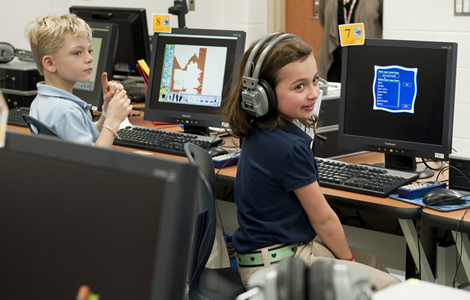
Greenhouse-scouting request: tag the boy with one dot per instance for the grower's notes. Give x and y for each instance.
(61, 48)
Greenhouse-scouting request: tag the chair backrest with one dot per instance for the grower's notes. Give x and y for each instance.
(39, 126)
(207, 217)
(203, 161)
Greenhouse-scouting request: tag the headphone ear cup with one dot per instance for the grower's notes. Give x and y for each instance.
(270, 97)
(320, 281)
(291, 277)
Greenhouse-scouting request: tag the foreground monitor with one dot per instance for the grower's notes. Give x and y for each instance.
(191, 74)
(104, 45)
(397, 98)
(73, 215)
(133, 42)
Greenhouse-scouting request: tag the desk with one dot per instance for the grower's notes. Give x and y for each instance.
(405, 213)
(458, 222)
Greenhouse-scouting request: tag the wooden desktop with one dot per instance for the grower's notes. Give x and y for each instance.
(406, 213)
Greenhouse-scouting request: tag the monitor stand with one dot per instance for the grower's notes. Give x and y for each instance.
(406, 164)
(201, 130)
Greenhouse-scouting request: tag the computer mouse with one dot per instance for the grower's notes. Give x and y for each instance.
(442, 196)
(216, 151)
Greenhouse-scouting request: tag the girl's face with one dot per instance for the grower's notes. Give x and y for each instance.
(297, 89)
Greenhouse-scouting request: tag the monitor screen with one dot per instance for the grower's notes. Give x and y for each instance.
(116, 221)
(191, 73)
(104, 43)
(133, 42)
(397, 98)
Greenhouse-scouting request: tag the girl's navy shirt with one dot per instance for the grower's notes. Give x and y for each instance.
(271, 166)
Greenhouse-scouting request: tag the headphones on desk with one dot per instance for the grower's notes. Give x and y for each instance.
(8, 52)
(325, 279)
(258, 97)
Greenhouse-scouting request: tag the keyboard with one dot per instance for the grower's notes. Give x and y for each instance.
(14, 116)
(162, 141)
(362, 179)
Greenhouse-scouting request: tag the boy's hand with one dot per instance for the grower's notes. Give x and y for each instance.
(110, 88)
(119, 108)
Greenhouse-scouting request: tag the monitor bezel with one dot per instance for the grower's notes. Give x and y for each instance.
(98, 14)
(105, 64)
(397, 147)
(178, 209)
(188, 114)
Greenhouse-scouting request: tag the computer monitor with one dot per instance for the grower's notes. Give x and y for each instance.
(104, 45)
(397, 98)
(75, 215)
(133, 42)
(191, 74)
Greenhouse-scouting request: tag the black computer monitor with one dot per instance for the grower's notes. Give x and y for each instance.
(73, 215)
(191, 73)
(397, 98)
(104, 45)
(133, 43)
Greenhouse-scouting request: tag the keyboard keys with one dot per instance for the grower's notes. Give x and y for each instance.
(360, 178)
(162, 141)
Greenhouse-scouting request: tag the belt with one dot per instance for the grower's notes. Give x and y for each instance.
(255, 259)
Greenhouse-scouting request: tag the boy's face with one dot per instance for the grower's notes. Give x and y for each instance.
(297, 89)
(73, 62)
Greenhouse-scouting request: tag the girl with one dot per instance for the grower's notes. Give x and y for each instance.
(280, 205)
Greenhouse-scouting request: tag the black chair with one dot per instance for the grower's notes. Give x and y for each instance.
(205, 283)
(40, 127)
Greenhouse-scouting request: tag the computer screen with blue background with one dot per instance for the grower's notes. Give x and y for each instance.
(397, 98)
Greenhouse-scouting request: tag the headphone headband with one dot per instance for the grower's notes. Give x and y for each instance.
(252, 81)
(258, 98)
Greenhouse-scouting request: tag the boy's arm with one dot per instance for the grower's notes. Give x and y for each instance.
(110, 88)
(118, 109)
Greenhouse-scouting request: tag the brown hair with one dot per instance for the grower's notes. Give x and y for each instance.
(287, 51)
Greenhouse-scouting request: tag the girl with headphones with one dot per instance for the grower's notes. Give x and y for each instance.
(280, 205)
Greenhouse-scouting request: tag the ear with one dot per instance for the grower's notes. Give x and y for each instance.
(48, 63)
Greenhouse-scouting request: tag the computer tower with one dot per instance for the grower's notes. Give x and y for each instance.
(461, 162)
(18, 82)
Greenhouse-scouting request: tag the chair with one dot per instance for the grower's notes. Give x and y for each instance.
(40, 127)
(205, 283)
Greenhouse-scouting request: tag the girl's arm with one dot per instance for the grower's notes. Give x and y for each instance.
(324, 220)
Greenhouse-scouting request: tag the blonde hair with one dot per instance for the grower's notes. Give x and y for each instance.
(47, 35)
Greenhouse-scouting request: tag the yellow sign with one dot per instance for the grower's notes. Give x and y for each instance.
(351, 34)
(161, 23)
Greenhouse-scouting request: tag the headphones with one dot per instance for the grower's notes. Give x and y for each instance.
(258, 97)
(325, 279)
(8, 52)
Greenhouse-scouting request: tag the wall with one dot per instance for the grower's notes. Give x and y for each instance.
(246, 15)
(434, 20)
(403, 19)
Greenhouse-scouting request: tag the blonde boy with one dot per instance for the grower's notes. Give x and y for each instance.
(61, 48)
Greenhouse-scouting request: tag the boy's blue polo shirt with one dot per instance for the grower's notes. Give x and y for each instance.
(65, 113)
(272, 165)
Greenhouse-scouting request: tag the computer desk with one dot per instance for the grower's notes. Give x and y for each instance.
(458, 222)
(405, 213)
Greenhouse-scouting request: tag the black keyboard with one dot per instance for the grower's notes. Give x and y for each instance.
(361, 178)
(14, 116)
(162, 141)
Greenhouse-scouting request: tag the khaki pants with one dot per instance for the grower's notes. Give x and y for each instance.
(314, 250)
